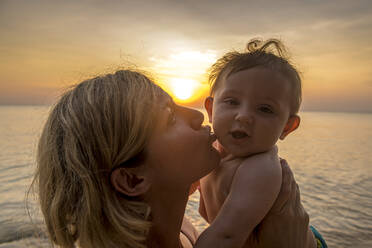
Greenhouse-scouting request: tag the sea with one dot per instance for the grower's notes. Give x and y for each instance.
(330, 155)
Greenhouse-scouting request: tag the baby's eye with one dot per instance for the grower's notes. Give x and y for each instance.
(266, 109)
(231, 101)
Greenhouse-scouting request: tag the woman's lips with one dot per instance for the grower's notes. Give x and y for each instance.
(212, 136)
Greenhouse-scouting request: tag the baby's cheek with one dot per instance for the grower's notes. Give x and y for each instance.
(268, 137)
(219, 124)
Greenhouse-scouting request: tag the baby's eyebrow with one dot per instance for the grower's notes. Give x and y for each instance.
(272, 101)
(231, 92)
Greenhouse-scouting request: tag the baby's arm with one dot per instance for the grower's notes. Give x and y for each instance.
(254, 189)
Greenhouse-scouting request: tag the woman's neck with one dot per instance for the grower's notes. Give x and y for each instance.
(167, 210)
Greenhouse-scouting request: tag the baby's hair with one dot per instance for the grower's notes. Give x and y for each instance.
(270, 54)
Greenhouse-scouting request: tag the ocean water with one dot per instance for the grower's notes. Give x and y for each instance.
(330, 155)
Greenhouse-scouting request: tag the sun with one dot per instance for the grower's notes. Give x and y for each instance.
(182, 73)
(183, 88)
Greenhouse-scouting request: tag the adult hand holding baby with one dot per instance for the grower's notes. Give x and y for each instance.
(287, 223)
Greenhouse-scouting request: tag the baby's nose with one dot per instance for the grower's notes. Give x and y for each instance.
(244, 118)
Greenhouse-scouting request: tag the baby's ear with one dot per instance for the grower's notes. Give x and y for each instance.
(208, 104)
(292, 124)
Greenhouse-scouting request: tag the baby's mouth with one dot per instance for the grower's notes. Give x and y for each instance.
(239, 134)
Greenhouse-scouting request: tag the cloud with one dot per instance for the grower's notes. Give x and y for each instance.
(206, 24)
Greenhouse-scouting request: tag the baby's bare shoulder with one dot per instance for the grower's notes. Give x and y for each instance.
(259, 167)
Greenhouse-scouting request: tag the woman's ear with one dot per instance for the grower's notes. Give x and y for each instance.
(129, 181)
(208, 104)
(292, 124)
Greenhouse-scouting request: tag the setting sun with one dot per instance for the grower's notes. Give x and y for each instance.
(182, 73)
(183, 88)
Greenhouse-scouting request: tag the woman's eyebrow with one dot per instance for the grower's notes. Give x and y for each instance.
(166, 101)
(172, 106)
(169, 103)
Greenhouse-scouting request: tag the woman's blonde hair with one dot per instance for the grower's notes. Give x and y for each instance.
(94, 127)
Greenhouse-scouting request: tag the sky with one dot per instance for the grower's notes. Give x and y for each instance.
(45, 46)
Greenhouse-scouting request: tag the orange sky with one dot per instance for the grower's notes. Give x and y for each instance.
(48, 45)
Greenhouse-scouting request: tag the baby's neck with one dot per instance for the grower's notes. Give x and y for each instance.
(226, 156)
(229, 156)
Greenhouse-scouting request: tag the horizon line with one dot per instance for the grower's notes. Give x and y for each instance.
(302, 110)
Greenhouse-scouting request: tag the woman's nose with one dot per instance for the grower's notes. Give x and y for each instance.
(194, 117)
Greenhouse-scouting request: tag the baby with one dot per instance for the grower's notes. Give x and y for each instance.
(255, 98)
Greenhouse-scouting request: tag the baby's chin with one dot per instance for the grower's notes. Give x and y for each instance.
(243, 151)
(247, 153)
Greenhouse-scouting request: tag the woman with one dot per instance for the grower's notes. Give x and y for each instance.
(115, 163)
